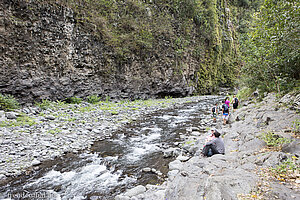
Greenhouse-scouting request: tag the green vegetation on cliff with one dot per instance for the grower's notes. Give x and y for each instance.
(196, 39)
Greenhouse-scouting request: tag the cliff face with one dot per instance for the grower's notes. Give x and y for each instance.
(129, 49)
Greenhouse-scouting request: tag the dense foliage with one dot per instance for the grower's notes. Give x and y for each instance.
(8, 102)
(272, 51)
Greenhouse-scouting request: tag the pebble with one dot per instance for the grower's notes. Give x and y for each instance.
(146, 169)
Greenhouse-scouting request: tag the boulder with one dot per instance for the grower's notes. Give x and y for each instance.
(11, 115)
(135, 191)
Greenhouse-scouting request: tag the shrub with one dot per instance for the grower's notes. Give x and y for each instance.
(22, 120)
(45, 104)
(296, 128)
(287, 170)
(245, 93)
(93, 99)
(8, 102)
(107, 99)
(73, 100)
(274, 140)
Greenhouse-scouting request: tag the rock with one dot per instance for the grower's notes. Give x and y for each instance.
(35, 154)
(135, 191)
(293, 147)
(89, 128)
(35, 162)
(159, 173)
(176, 164)
(287, 99)
(97, 131)
(2, 116)
(122, 197)
(26, 110)
(2, 177)
(171, 152)
(182, 158)
(146, 169)
(194, 129)
(50, 117)
(196, 133)
(172, 174)
(11, 115)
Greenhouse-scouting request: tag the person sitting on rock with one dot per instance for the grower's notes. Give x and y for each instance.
(214, 146)
(210, 137)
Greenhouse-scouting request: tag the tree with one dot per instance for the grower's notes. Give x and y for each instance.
(272, 56)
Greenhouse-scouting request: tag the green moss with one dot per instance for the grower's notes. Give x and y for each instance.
(54, 131)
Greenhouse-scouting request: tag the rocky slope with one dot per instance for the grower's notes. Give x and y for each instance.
(244, 171)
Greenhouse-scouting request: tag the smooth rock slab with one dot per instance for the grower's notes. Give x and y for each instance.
(122, 197)
(135, 191)
(176, 164)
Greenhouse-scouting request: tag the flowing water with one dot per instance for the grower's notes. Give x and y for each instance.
(113, 165)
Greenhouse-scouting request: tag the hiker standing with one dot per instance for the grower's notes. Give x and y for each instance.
(227, 101)
(225, 112)
(214, 111)
(235, 102)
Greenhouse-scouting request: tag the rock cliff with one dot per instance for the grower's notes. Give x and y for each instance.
(125, 49)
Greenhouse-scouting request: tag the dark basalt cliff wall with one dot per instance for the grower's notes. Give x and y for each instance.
(50, 50)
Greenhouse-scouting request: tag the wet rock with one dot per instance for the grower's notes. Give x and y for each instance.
(171, 152)
(159, 173)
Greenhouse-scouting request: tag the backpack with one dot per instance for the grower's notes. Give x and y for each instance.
(213, 109)
(225, 108)
(236, 101)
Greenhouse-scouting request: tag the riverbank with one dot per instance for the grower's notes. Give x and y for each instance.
(250, 169)
(30, 136)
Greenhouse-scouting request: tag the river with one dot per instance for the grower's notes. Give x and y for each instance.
(115, 164)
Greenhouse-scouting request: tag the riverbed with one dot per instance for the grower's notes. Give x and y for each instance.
(130, 155)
